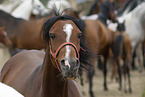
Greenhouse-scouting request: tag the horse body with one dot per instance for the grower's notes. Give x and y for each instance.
(59, 64)
(134, 22)
(23, 34)
(135, 26)
(122, 50)
(4, 38)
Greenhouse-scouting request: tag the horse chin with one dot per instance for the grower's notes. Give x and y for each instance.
(66, 76)
(70, 78)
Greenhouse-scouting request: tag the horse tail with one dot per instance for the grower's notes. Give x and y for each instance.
(118, 45)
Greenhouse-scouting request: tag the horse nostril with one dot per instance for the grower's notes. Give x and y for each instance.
(62, 61)
(65, 64)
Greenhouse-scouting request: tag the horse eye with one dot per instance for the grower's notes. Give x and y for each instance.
(80, 35)
(52, 35)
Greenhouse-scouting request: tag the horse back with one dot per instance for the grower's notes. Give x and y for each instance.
(105, 36)
(20, 67)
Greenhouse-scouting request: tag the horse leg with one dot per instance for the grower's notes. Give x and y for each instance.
(114, 70)
(129, 80)
(139, 57)
(105, 73)
(133, 58)
(90, 76)
(99, 62)
(143, 50)
(81, 76)
(124, 73)
(120, 74)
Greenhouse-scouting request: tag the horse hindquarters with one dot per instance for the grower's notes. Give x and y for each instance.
(117, 51)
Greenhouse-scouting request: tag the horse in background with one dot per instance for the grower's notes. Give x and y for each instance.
(29, 7)
(32, 9)
(99, 39)
(95, 8)
(60, 62)
(128, 6)
(4, 39)
(122, 50)
(134, 22)
(23, 34)
(5, 43)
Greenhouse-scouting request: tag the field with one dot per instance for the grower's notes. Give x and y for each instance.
(138, 85)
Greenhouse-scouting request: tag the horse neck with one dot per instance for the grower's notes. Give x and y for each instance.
(53, 84)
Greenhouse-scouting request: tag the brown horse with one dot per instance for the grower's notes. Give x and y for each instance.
(99, 39)
(59, 64)
(95, 8)
(122, 50)
(23, 34)
(4, 38)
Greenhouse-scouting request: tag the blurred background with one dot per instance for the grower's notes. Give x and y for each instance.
(35, 9)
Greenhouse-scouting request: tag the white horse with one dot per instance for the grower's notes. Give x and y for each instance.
(59, 4)
(7, 91)
(134, 22)
(135, 27)
(24, 8)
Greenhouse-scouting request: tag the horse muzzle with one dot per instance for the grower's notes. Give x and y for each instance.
(70, 68)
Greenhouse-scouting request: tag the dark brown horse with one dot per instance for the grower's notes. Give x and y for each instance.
(23, 34)
(95, 8)
(4, 38)
(49, 74)
(99, 39)
(122, 50)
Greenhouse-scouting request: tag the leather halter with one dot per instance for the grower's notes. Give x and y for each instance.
(55, 54)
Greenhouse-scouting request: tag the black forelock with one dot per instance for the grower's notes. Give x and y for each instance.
(50, 22)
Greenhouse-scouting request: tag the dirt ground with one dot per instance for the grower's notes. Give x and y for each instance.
(138, 85)
(138, 81)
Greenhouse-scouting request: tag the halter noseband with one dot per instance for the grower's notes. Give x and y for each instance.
(59, 48)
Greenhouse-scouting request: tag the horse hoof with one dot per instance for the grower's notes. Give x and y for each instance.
(91, 94)
(125, 91)
(105, 89)
(120, 89)
(83, 92)
(130, 90)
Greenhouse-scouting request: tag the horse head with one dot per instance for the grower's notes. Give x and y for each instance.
(4, 38)
(121, 26)
(64, 44)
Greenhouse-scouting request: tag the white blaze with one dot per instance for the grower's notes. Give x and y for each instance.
(67, 28)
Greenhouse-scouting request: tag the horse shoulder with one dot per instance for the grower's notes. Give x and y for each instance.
(17, 66)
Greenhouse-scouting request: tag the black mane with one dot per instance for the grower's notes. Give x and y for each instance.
(6, 19)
